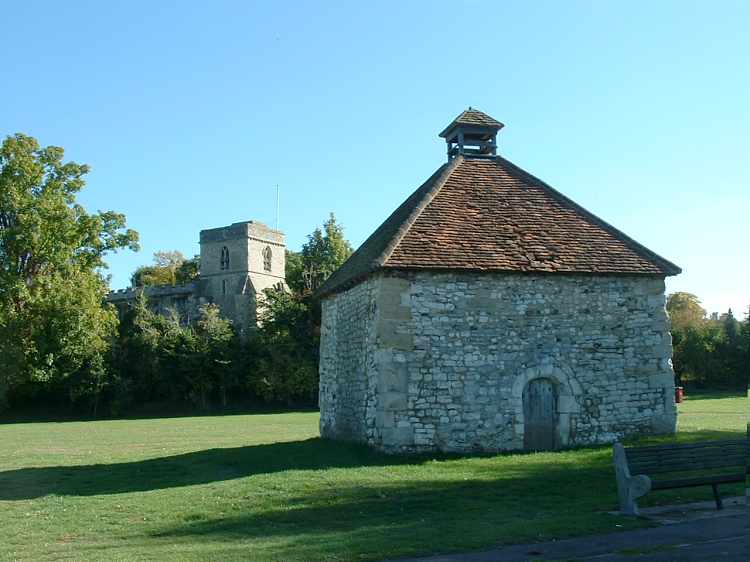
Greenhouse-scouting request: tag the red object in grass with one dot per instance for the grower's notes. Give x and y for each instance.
(679, 394)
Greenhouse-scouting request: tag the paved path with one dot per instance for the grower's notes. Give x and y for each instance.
(720, 538)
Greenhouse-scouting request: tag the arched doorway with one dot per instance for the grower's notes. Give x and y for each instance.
(541, 415)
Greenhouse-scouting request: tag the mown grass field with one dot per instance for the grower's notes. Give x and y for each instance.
(266, 488)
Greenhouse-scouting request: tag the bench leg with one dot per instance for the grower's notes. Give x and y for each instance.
(717, 497)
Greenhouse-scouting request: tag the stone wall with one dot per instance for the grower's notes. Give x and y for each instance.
(183, 300)
(347, 364)
(428, 361)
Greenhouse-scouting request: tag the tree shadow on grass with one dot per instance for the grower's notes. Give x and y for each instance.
(199, 467)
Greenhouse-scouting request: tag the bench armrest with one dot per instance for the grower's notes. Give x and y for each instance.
(629, 488)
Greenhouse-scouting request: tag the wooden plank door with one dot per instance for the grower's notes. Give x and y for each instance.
(540, 415)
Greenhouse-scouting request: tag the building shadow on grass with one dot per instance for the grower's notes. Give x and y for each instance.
(198, 467)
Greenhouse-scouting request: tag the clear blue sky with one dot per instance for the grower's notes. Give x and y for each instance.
(190, 113)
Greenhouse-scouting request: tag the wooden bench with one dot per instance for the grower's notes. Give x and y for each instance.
(709, 463)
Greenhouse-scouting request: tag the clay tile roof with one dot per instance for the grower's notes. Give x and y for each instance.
(473, 117)
(487, 214)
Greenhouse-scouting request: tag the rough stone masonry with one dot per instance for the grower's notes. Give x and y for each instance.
(488, 313)
(426, 361)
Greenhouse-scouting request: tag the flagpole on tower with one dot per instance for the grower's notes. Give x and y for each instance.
(277, 206)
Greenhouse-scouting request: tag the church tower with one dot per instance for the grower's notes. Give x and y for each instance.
(237, 263)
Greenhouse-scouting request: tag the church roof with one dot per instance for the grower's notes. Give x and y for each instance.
(480, 213)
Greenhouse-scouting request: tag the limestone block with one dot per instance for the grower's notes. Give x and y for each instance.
(398, 436)
(393, 400)
(664, 424)
(392, 375)
(388, 335)
(482, 301)
(384, 419)
(655, 286)
(389, 299)
(662, 380)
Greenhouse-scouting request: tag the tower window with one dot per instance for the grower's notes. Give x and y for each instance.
(267, 258)
(223, 286)
(224, 258)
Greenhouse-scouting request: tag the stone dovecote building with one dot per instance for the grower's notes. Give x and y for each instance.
(490, 312)
(237, 263)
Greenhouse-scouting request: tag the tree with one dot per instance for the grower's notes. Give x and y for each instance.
(294, 273)
(731, 326)
(216, 349)
(745, 347)
(169, 268)
(685, 310)
(732, 349)
(158, 360)
(53, 323)
(285, 349)
(323, 253)
(188, 270)
(139, 357)
(709, 353)
(695, 356)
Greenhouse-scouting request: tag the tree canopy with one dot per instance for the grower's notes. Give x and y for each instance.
(168, 268)
(708, 352)
(685, 310)
(287, 340)
(323, 253)
(53, 323)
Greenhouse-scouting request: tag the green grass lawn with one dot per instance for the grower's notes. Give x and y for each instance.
(265, 487)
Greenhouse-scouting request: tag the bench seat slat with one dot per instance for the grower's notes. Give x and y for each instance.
(679, 466)
(686, 446)
(729, 460)
(689, 452)
(706, 464)
(739, 452)
(697, 481)
(729, 455)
